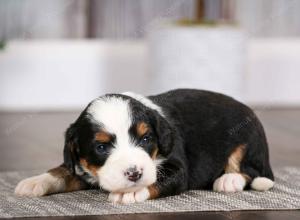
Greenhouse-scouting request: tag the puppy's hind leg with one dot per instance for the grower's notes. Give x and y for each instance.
(259, 181)
(232, 180)
(235, 182)
(257, 166)
(245, 169)
(54, 181)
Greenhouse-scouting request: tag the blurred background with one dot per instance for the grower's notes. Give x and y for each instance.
(58, 55)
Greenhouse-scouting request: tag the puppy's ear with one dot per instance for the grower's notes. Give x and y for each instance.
(165, 135)
(70, 148)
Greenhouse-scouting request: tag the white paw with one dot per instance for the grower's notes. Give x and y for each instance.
(129, 197)
(38, 185)
(142, 195)
(262, 184)
(230, 182)
(115, 197)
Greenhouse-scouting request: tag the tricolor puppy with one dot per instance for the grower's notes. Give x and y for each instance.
(140, 148)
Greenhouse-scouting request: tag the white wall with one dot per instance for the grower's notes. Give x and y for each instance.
(54, 75)
(273, 72)
(67, 74)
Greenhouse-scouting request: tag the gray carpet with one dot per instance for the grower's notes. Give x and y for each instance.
(285, 195)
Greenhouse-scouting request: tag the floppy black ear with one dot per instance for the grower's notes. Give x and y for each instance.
(165, 135)
(70, 148)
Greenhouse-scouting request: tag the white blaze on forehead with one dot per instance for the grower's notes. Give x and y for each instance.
(145, 101)
(114, 114)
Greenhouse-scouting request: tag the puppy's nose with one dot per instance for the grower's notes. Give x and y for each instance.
(133, 174)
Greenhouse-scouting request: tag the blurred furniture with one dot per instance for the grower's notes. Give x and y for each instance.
(130, 19)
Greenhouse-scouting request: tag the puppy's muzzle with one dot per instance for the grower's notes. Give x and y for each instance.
(133, 173)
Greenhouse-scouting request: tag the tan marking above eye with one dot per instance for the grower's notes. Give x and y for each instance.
(142, 128)
(92, 168)
(103, 137)
(234, 160)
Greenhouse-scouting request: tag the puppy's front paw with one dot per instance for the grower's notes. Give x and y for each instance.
(230, 182)
(130, 197)
(39, 185)
(115, 197)
(142, 195)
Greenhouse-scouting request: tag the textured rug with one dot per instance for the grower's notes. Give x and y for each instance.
(284, 196)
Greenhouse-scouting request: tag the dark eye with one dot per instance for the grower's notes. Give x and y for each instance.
(145, 140)
(101, 148)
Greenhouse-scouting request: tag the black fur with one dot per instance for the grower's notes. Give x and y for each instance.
(196, 135)
(212, 125)
(69, 148)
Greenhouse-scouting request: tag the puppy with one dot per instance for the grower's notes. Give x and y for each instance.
(140, 148)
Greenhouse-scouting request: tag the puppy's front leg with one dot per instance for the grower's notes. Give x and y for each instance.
(171, 180)
(56, 180)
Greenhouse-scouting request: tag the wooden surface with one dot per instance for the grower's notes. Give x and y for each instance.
(35, 141)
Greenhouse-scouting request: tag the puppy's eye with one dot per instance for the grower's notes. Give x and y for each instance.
(101, 148)
(145, 140)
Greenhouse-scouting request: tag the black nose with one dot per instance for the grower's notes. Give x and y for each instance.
(133, 174)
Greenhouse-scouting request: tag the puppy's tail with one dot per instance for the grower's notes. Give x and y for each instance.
(262, 184)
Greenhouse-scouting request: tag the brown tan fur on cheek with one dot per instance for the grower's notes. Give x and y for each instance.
(102, 137)
(93, 169)
(153, 191)
(234, 161)
(154, 153)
